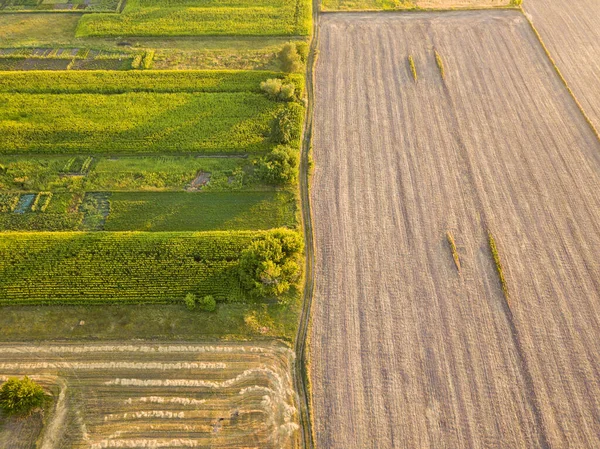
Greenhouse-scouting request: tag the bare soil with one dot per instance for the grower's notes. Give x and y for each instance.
(408, 352)
(571, 32)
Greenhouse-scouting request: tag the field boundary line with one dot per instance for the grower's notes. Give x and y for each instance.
(559, 73)
(301, 366)
(417, 9)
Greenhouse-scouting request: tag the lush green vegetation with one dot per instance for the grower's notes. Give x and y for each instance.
(201, 211)
(198, 17)
(136, 123)
(111, 82)
(139, 173)
(271, 266)
(21, 396)
(136, 267)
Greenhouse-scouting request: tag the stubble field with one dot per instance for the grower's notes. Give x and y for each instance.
(157, 395)
(410, 348)
(571, 31)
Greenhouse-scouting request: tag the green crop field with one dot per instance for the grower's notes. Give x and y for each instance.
(201, 211)
(114, 82)
(135, 123)
(198, 17)
(132, 267)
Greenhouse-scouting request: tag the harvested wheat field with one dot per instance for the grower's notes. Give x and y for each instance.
(411, 4)
(160, 395)
(571, 32)
(433, 130)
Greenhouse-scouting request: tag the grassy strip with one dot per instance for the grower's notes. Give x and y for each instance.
(440, 64)
(499, 269)
(413, 67)
(452, 243)
(181, 211)
(136, 123)
(201, 18)
(560, 75)
(112, 82)
(120, 267)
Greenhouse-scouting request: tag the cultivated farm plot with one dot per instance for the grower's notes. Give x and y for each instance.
(160, 395)
(409, 348)
(571, 32)
(202, 18)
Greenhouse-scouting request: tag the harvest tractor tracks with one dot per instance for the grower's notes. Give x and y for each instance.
(405, 353)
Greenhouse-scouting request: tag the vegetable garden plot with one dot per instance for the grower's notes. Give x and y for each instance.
(135, 123)
(163, 395)
(408, 349)
(196, 17)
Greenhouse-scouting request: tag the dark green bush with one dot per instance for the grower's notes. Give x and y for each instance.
(207, 303)
(289, 59)
(270, 266)
(280, 166)
(190, 301)
(21, 396)
(285, 126)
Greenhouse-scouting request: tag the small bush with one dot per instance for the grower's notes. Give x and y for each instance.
(516, 2)
(190, 301)
(287, 92)
(275, 89)
(147, 60)
(269, 267)
(136, 62)
(280, 166)
(285, 126)
(207, 303)
(21, 396)
(302, 49)
(289, 59)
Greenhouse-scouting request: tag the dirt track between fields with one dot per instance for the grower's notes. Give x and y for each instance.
(407, 353)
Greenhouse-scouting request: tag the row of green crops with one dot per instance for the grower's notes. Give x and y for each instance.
(114, 82)
(101, 267)
(142, 123)
(199, 17)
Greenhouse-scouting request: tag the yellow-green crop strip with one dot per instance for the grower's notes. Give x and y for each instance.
(201, 18)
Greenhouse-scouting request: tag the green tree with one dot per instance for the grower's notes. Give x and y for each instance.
(21, 396)
(285, 126)
(280, 166)
(270, 266)
(289, 59)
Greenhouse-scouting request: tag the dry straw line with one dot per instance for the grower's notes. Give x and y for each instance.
(499, 268)
(452, 243)
(560, 75)
(440, 64)
(413, 67)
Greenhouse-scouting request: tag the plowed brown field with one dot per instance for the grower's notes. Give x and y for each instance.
(408, 352)
(571, 31)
